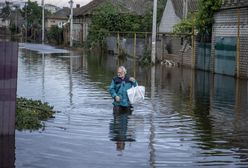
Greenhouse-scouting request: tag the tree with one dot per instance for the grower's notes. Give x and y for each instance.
(55, 34)
(32, 12)
(205, 16)
(6, 10)
(202, 19)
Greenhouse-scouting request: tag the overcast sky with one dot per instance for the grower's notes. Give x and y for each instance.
(59, 3)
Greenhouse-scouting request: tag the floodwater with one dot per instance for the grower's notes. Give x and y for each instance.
(188, 119)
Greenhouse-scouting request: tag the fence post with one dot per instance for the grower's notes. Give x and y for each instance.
(118, 49)
(238, 44)
(8, 85)
(134, 55)
(193, 43)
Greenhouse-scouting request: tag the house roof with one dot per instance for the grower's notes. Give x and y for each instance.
(178, 6)
(232, 4)
(87, 9)
(61, 14)
(139, 7)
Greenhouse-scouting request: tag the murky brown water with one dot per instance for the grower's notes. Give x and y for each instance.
(189, 118)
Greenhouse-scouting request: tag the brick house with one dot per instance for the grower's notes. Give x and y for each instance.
(82, 16)
(230, 39)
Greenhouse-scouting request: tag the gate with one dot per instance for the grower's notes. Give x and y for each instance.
(203, 57)
(225, 55)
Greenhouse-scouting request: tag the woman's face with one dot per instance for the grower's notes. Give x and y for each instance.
(120, 73)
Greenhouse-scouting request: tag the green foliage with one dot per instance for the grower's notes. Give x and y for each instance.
(33, 13)
(6, 10)
(202, 19)
(55, 34)
(30, 113)
(185, 26)
(146, 59)
(205, 15)
(14, 29)
(109, 17)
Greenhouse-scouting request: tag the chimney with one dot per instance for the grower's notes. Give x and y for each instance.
(78, 5)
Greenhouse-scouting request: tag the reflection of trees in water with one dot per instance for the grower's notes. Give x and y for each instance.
(119, 129)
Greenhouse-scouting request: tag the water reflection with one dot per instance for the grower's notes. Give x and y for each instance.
(7, 151)
(119, 130)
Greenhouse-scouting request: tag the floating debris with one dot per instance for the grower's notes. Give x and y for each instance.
(30, 114)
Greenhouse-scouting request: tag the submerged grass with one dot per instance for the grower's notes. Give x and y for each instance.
(30, 114)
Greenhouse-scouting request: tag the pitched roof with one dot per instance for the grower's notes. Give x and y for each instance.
(178, 6)
(139, 7)
(87, 9)
(61, 14)
(234, 4)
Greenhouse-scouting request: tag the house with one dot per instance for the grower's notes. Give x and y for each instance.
(229, 39)
(174, 12)
(59, 18)
(82, 16)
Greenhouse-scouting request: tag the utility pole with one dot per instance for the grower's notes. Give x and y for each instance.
(154, 30)
(43, 21)
(71, 22)
(26, 17)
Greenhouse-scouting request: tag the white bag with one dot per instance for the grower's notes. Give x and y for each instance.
(136, 94)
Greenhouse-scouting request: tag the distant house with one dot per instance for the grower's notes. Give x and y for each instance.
(175, 11)
(59, 18)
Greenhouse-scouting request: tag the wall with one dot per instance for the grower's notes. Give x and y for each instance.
(54, 22)
(226, 26)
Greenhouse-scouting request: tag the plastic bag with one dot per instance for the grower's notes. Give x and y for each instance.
(136, 94)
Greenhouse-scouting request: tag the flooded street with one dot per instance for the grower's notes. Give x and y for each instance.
(188, 119)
